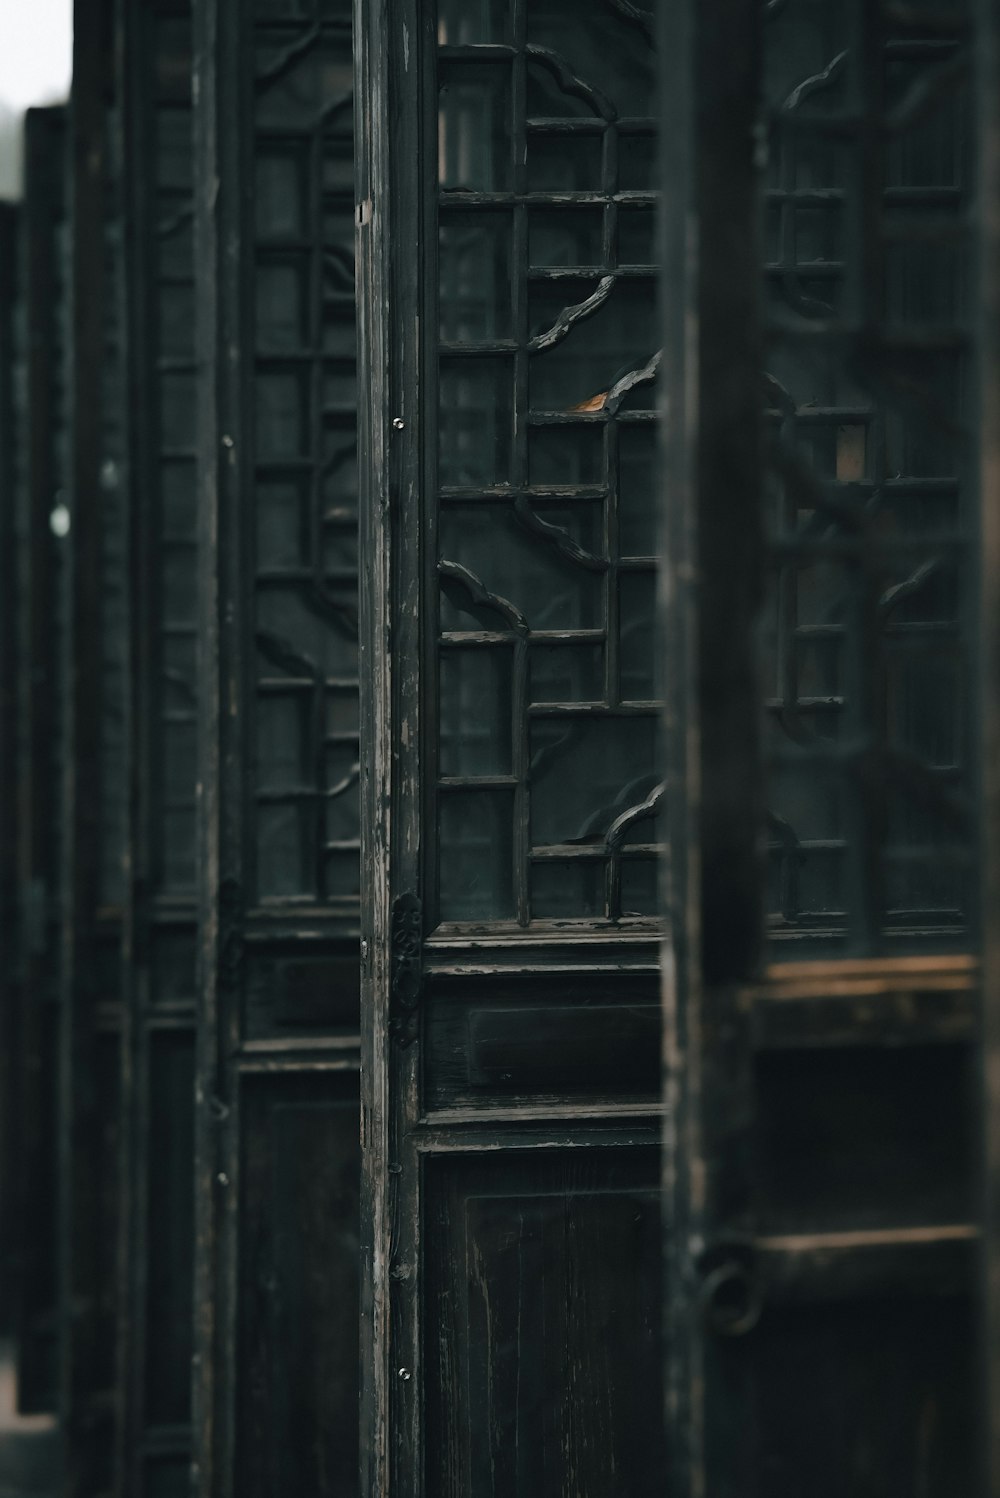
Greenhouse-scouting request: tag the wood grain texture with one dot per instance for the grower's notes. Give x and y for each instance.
(276, 1195)
(987, 115)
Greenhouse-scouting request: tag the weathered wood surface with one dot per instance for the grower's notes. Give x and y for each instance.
(276, 1180)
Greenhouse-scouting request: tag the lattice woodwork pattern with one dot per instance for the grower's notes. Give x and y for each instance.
(543, 533)
(868, 386)
(304, 772)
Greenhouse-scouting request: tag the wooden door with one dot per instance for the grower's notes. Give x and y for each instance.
(822, 522)
(91, 850)
(510, 1118)
(277, 1066)
(10, 588)
(41, 703)
(155, 1306)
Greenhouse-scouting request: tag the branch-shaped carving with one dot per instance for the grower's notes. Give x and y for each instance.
(598, 826)
(640, 813)
(810, 493)
(637, 17)
(543, 757)
(284, 59)
(570, 83)
(629, 382)
(333, 609)
(799, 300)
(180, 683)
(338, 267)
(570, 316)
(774, 390)
(343, 101)
(925, 93)
(895, 595)
(478, 595)
(795, 726)
(786, 832)
(816, 82)
(338, 458)
(178, 221)
(557, 536)
(347, 783)
(281, 653)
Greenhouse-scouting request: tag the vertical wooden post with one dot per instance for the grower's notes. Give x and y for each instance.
(711, 586)
(986, 312)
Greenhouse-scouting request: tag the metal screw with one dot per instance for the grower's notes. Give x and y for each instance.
(398, 423)
(222, 1178)
(405, 1375)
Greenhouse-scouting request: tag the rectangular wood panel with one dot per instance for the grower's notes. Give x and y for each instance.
(156, 1297)
(560, 1037)
(279, 759)
(299, 1287)
(543, 1326)
(170, 1226)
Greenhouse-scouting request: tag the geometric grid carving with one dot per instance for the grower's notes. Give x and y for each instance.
(305, 776)
(548, 781)
(170, 331)
(868, 650)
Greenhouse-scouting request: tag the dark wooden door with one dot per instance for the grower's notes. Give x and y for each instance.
(155, 1306)
(92, 782)
(822, 1207)
(510, 798)
(278, 760)
(41, 704)
(10, 588)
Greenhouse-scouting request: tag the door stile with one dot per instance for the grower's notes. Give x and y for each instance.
(712, 540)
(278, 750)
(375, 306)
(41, 705)
(390, 632)
(987, 85)
(154, 1310)
(10, 586)
(221, 471)
(93, 846)
(79, 767)
(683, 1151)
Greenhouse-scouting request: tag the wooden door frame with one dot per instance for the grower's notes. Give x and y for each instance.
(958, 992)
